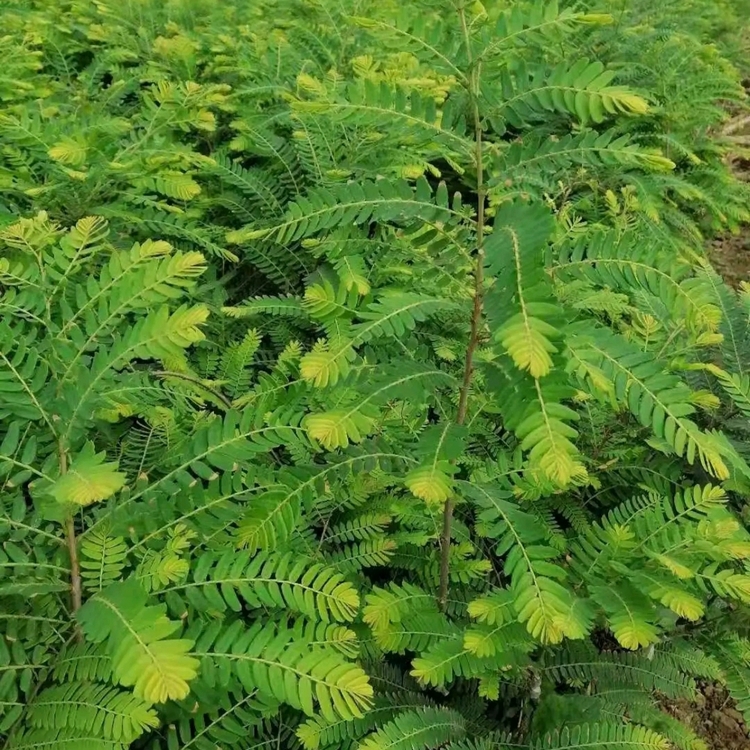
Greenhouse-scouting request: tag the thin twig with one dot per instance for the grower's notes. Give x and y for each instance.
(476, 315)
(190, 379)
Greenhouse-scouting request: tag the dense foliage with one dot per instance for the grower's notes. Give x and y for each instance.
(363, 381)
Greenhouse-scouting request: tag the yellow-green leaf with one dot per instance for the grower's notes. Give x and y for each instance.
(431, 483)
(526, 339)
(88, 480)
(338, 428)
(68, 151)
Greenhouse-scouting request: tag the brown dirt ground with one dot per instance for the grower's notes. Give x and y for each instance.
(713, 717)
(730, 255)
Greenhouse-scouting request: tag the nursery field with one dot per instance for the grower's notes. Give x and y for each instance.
(374, 375)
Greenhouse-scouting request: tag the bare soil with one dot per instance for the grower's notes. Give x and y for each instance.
(730, 254)
(713, 717)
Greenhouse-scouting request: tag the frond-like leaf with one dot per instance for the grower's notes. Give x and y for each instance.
(280, 666)
(137, 637)
(549, 609)
(287, 582)
(92, 709)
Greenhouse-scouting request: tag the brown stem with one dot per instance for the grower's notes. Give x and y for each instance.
(476, 315)
(75, 567)
(72, 542)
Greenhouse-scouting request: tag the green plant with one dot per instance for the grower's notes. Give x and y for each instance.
(361, 376)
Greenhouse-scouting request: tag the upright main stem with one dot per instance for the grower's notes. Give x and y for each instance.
(476, 315)
(72, 542)
(75, 567)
